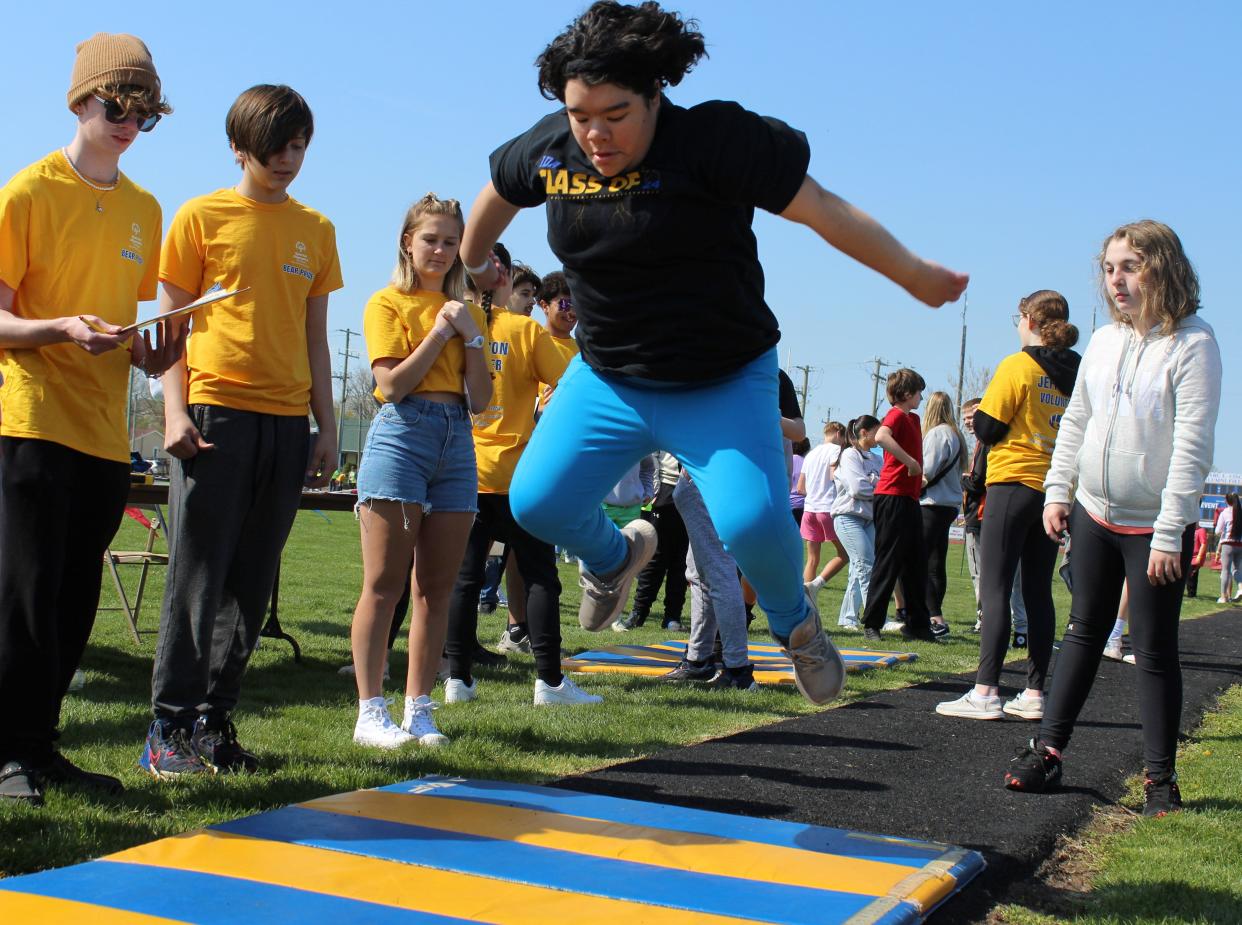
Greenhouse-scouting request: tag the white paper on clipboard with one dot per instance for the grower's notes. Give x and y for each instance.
(184, 309)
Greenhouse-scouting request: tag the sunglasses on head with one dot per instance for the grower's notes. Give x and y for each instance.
(115, 113)
(565, 305)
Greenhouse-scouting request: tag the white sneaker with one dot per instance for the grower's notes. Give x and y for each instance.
(1113, 652)
(971, 706)
(1221, 600)
(850, 626)
(348, 671)
(1025, 707)
(375, 727)
(78, 681)
(458, 691)
(892, 626)
(621, 625)
(418, 722)
(566, 694)
(1128, 658)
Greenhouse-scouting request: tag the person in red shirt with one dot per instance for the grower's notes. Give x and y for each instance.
(899, 551)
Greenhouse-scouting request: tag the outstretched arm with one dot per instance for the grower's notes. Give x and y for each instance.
(858, 235)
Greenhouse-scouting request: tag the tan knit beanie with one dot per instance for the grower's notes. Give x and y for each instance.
(111, 58)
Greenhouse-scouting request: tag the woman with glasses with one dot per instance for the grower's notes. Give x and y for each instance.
(1018, 419)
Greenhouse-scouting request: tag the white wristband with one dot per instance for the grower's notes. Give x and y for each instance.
(481, 268)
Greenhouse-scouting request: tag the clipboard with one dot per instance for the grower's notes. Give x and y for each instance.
(175, 313)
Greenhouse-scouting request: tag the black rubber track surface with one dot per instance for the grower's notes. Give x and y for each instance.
(891, 765)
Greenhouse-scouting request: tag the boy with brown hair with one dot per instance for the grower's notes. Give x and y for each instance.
(236, 420)
(899, 551)
(74, 231)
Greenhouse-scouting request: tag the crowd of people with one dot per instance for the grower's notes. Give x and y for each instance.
(494, 428)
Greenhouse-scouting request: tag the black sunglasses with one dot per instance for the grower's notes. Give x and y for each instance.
(115, 113)
(565, 305)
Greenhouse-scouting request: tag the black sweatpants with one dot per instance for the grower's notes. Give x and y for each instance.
(1102, 560)
(536, 563)
(667, 567)
(899, 553)
(1013, 532)
(937, 518)
(58, 511)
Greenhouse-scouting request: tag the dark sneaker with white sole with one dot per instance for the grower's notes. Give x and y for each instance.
(168, 753)
(689, 670)
(61, 772)
(1161, 796)
(604, 598)
(214, 740)
(19, 783)
(1033, 769)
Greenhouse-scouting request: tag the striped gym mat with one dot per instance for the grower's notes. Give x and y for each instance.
(449, 850)
(771, 664)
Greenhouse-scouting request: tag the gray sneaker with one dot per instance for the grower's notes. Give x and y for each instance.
(819, 670)
(508, 644)
(602, 600)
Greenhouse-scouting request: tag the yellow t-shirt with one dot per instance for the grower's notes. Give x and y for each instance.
(521, 355)
(1022, 396)
(62, 256)
(396, 322)
(250, 352)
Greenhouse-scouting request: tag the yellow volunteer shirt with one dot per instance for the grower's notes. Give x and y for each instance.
(521, 355)
(396, 322)
(62, 256)
(250, 352)
(1022, 396)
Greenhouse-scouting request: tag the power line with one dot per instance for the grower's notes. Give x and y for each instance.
(344, 377)
(876, 379)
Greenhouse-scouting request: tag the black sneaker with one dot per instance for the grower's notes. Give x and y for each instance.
(214, 740)
(924, 635)
(1033, 769)
(688, 670)
(19, 783)
(636, 618)
(60, 771)
(1019, 640)
(1161, 796)
(486, 607)
(168, 753)
(738, 679)
(486, 658)
(871, 635)
(939, 630)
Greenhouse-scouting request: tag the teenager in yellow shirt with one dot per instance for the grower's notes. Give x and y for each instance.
(235, 416)
(75, 234)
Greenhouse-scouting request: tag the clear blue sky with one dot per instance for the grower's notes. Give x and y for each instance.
(1005, 140)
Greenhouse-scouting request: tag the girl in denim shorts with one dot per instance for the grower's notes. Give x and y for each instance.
(417, 483)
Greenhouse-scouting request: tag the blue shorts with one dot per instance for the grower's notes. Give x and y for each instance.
(420, 452)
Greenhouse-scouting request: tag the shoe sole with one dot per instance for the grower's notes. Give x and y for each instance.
(643, 547)
(999, 714)
(831, 676)
(568, 703)
(1023, 714)
(386, 745)
(208, 770)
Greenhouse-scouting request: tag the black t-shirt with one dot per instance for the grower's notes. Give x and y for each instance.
(789, 397)
(661, 260)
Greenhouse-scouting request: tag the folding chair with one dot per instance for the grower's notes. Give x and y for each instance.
(145, 558)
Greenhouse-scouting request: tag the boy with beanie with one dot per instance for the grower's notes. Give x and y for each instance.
(235, 414)
(74, 231)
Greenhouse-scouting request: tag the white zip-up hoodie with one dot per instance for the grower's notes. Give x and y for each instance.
(1139, 431)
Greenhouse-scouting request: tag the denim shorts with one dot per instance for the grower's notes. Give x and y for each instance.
(420, 452)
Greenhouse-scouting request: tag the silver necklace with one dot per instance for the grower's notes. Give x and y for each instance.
(102, 190)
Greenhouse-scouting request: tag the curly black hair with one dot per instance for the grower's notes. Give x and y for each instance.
(642, 48)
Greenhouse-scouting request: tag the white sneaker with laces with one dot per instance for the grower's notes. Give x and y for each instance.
(567, 693)
(375, 727)
(971, 706)
(1025, 707)
(1113, 652)
(419, 723)
(458, 691)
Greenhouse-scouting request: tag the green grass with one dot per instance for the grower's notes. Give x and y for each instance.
(299, 718)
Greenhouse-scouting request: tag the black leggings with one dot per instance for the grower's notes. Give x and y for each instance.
(937, 518)
(1013, 532)
(1101, 561)
(667, 566)
(899, 554)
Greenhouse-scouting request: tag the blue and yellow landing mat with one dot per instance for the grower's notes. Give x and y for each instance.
(771, 664)
(448, 850)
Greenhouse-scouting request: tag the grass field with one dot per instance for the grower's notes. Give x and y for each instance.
(299, 717)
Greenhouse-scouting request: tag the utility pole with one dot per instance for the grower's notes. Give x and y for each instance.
(875, 384)
(961, 361)
(806, 376)
(344, 377)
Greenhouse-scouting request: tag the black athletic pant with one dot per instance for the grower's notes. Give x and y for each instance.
(1013, 532)
(667, 566)
(1100, 562)
(58, 511)
(899, 553)
(536, 563)
(937, 518)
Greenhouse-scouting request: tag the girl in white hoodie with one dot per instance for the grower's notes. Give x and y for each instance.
(1137, 440)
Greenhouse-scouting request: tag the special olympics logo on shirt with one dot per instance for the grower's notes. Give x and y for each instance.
(135, 235)
(299, 253)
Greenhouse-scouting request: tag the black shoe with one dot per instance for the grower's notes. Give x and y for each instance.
(1033, 769)
(1161, 796)
(750, 615)
(738, 679)
(486, 658)
(20, 783)
(1019, 640)
(62, 772)
(901, 615)
(214, 740)
(636, 618)
(168, 753)
(871, 635)
(486, 607)
(939, 630)
(688, 670)
(925, 635)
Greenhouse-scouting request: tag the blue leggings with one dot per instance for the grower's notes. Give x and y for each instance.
(726, 434)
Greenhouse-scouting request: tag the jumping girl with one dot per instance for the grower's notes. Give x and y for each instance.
(649, 209)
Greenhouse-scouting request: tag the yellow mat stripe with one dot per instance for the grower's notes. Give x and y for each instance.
(704, 854)
(392, 883)
(26, 909)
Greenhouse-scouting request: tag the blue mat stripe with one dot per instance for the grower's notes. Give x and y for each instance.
(777, 832)
(206, 899)
(547, 867)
